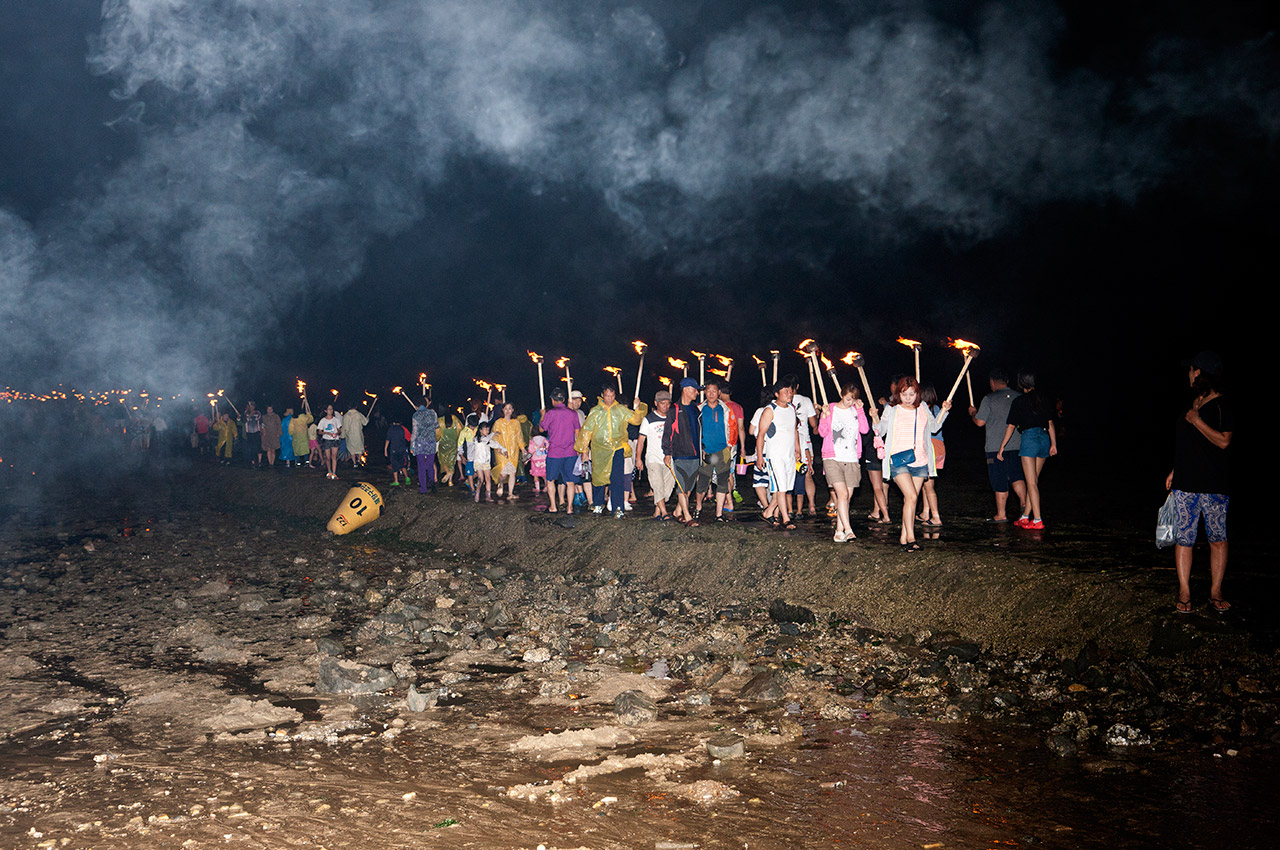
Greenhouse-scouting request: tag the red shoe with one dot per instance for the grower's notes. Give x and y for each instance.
(1035, 525)
(1022, 522)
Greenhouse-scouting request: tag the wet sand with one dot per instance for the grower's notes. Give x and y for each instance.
(164, 637)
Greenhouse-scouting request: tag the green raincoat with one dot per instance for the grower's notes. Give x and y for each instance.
(605, 431)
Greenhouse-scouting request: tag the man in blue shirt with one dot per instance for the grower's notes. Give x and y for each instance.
(719, 434)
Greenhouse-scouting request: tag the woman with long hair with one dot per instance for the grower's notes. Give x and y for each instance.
(908, 457)
(1032, 416)
(841, 427)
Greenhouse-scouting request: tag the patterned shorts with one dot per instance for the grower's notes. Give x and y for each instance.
(1192, 506)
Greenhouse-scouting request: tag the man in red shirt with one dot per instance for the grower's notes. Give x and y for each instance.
(739, 448)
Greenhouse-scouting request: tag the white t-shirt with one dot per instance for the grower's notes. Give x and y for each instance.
(844, 433)
(804, 409)
(652, 433)
(330, 427)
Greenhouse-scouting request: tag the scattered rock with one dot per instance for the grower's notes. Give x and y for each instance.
(415, 701)
(782, 612)
(767, 686)
(726, 746)
(634, 708)
(1120, 735)
(537, 655)
(348, 677)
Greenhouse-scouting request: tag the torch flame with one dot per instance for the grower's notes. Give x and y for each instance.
(759, 362)
(484, 385)
(613, 370)
(826, 362)
(369, 394)
(698, 354)
(534, 356)
(560, 363)
(723, 373)
(220, 392)
(397, 389)
(805, 346)
(909, 343)
(678, 364)
(849, 358)
(664, 380)
(964, 346)
(724, 361)
(335, 393)
(639, 346)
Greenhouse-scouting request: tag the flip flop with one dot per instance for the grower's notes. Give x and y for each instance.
(1182, 607)
(1220, 605)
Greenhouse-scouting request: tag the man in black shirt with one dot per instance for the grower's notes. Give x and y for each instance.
(1200, 478)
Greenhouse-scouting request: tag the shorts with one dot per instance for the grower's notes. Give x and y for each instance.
(1190, 507)
(685, 471)
(561, 469)
(921, 471)
(848, 473)
(782, 475)
(468, 469)
(399, 459)
(313, 444)
(759, 477)
(1035, 443)
(1003, 473)
(661, 479)
(715, 471)
(328, 444)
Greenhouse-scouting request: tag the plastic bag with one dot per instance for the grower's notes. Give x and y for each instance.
(1166, 522)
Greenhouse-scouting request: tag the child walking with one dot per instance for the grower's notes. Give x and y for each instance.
(480, 454)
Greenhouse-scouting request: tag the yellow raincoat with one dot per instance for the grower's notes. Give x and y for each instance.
(506, 433)
(605, 431)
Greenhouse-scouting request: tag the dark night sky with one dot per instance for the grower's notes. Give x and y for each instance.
(237, 193)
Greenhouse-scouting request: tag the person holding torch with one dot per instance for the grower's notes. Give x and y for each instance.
(906, 428)
(604, 441)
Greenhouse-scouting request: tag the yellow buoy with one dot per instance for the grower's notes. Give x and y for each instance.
(361, 505)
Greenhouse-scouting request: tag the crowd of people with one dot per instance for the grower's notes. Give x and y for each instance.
(697, 451)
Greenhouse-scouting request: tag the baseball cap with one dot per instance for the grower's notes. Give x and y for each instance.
(690, 382)
(1209, 362)
(576, 394)
(661, 395)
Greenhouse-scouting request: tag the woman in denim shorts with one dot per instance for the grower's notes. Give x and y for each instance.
(1030, 414)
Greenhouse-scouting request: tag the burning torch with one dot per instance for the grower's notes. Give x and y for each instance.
(915, 347)
(542, 395)
(727, 363)
(809, 349)
(763, 380)
(563, 363)
(400, 391)
(856, 360)
(616, 371)
(640, 347)
(970, 351)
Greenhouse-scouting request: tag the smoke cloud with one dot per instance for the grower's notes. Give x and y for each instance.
(276, 140)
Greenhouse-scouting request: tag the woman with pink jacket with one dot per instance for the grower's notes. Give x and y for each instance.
(841, 428)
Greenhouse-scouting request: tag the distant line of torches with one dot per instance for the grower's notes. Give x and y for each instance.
(807, 348)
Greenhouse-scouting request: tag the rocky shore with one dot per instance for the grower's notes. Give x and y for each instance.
(553, 662)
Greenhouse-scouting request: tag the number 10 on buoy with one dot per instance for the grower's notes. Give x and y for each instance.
(361, 506)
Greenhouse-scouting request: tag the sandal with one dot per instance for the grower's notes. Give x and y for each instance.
(1183, 607)
(1220, 605)
(911, 547)
(791, 526)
